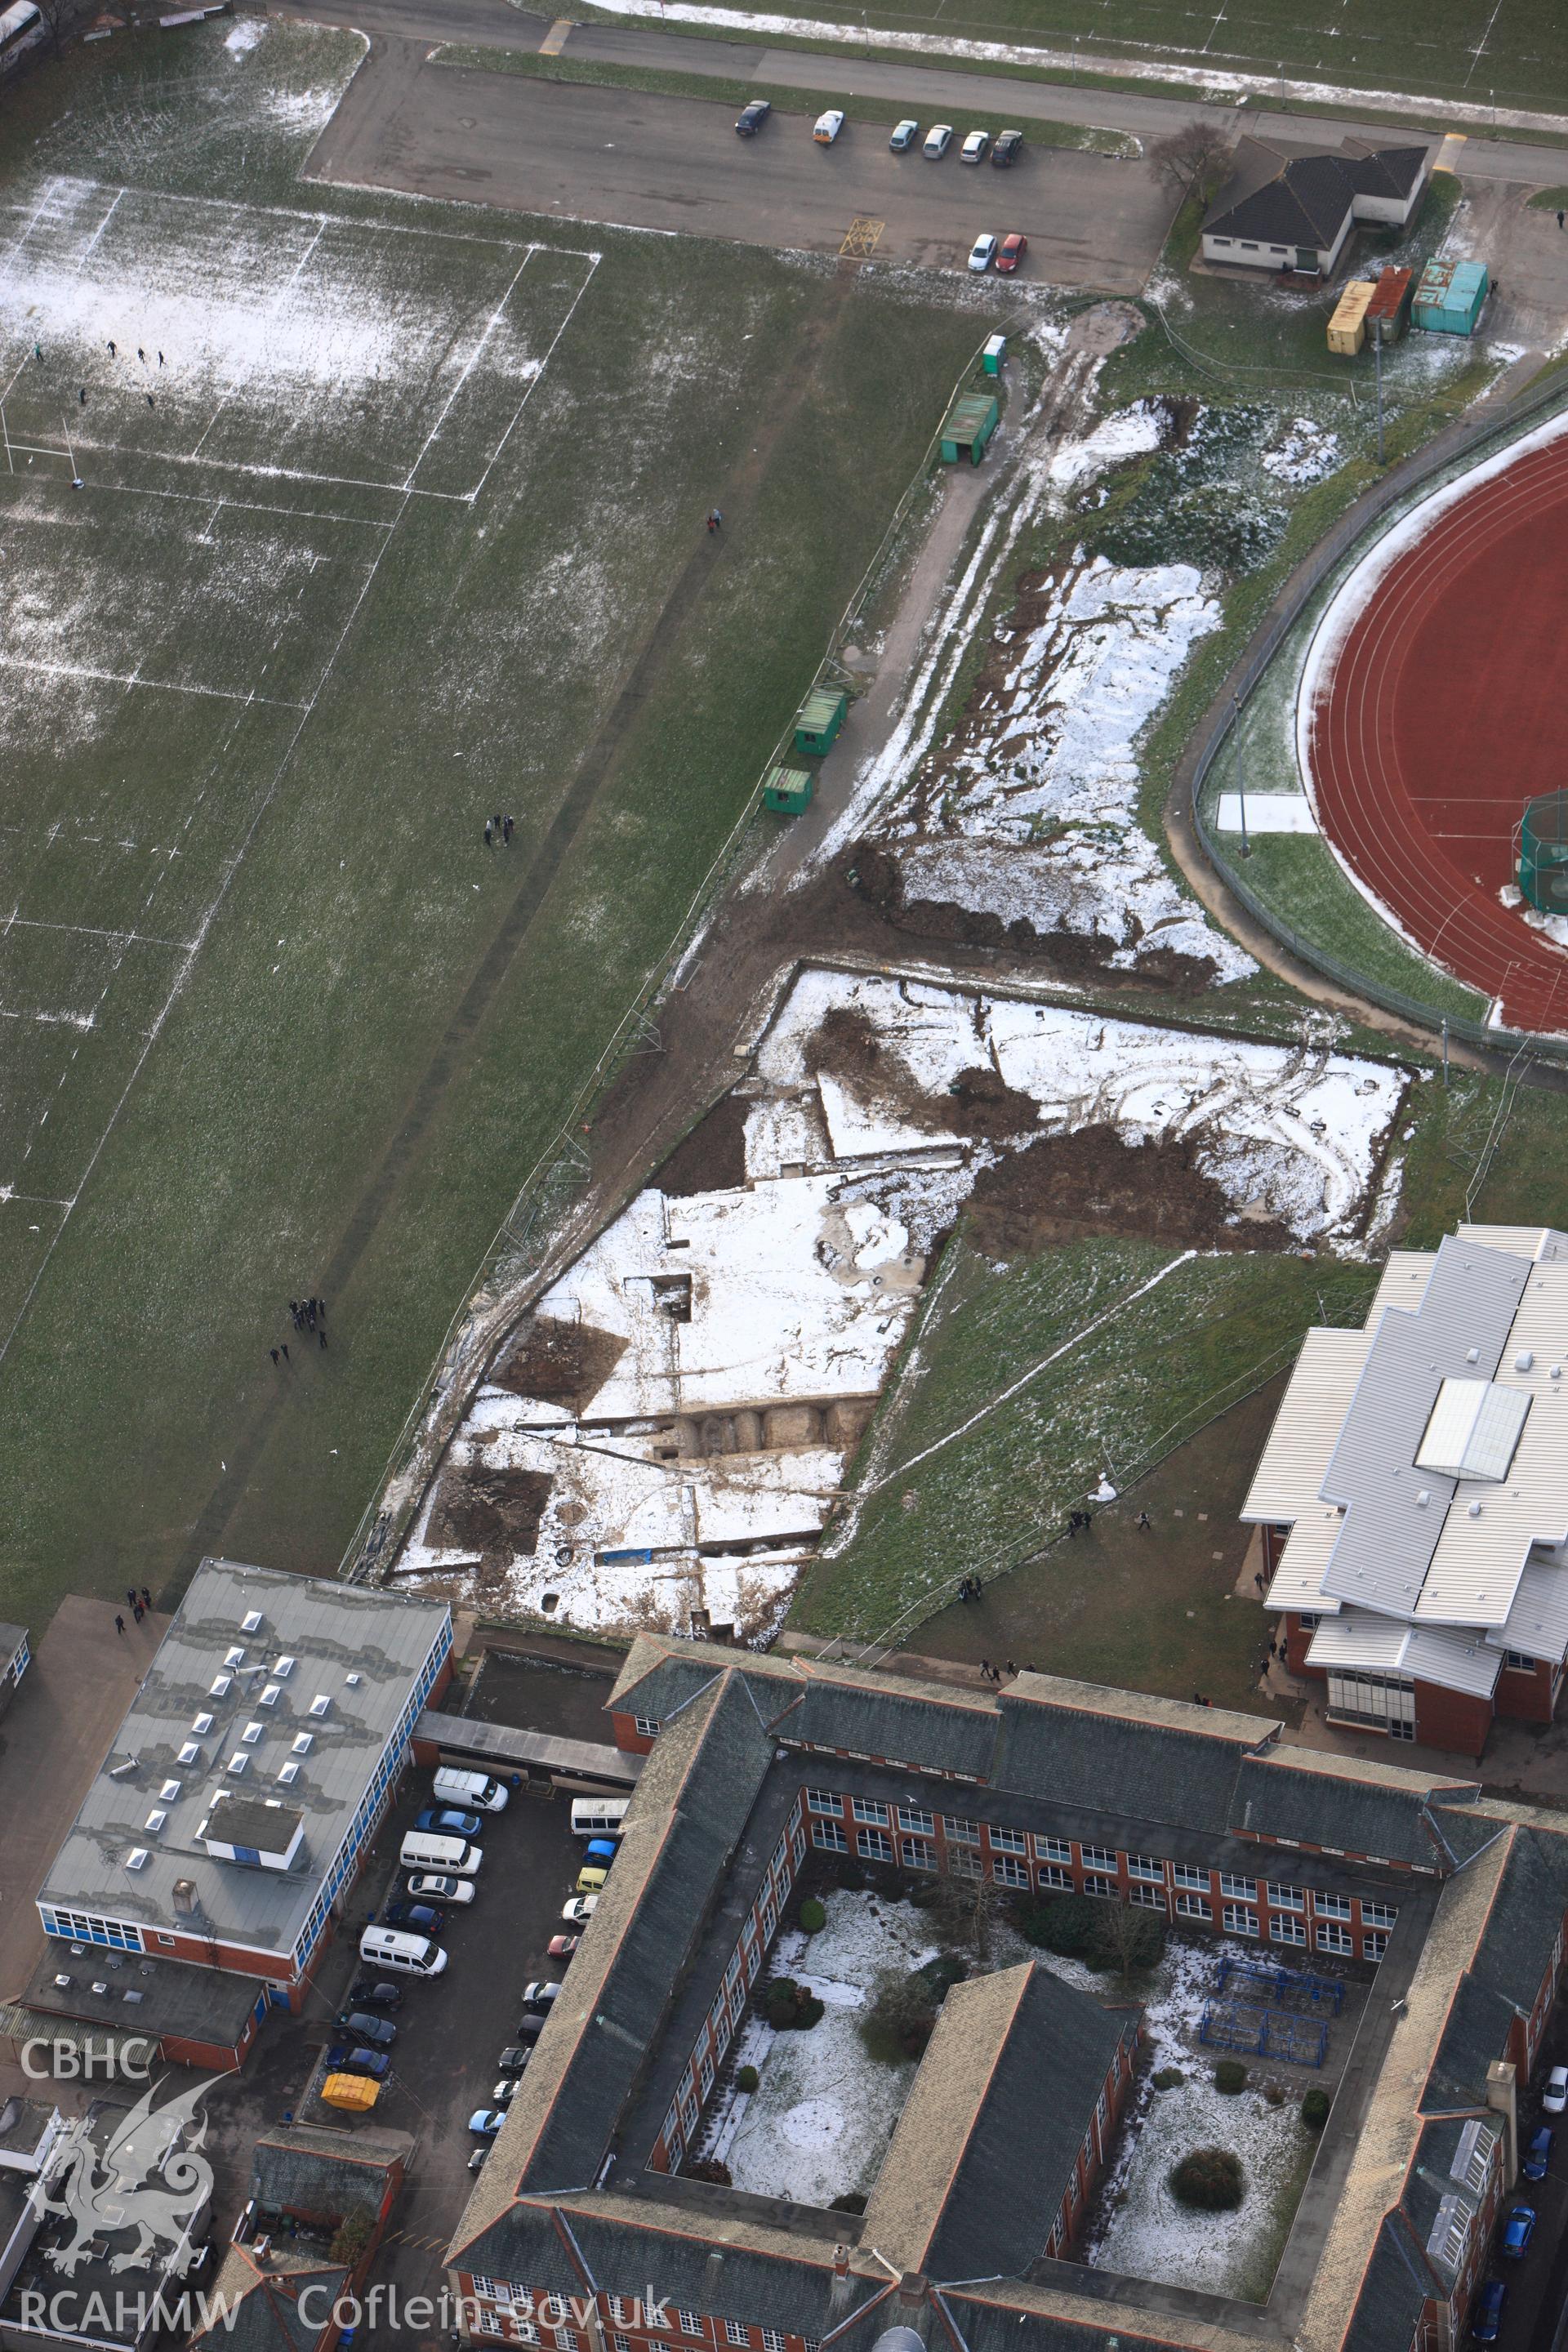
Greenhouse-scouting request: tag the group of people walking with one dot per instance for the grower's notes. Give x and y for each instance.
(139, 1603)
(498, 828)
(309, 1315)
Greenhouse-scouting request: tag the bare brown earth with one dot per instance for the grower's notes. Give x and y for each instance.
(712, 1158)
(495, 1512)
(1092, 1181)
(559, 1364)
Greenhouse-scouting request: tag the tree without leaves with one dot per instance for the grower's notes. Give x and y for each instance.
(1195, 160)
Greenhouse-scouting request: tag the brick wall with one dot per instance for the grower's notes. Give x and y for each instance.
(510, 2311)
(1528, 1694)
(1451, 1719)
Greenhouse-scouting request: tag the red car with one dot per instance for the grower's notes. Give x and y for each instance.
(1012, 252)
(561, 1948)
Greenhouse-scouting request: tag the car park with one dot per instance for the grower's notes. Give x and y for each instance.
(436, 1886)
(485, 2122)
(539, 1996)
(446, 1820)
(561, 1948)
(938, 139)
(904, 134)
(1518, 2231)
(579, 1910)
(373, 2029)
(366, 1992)
(982, 253)
(1010, 252)
(752, 117)
(1538, 2155)
(342, 2059)
(828, 127)
(1009, 145)
(975, 148)
(1487, 2318)
(414, 1918)
(1554, 2098)
(513, 2059)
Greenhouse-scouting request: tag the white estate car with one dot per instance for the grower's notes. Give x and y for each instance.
(982, 253)
(939, 139)
(828, 127)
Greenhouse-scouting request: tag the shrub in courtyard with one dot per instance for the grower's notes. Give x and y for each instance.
(1229, 2075)
(789, 2007)
(1209, 2179)
(1274, 2094)
(947, 1970)
(851, 1877)
(812, 1916)
(1125, 1937)
(896, 2025)
(708, 2168)
(1066, 1924)
(1315, 2109)
(352, 2235)
(1169, 2078)
(746, 2078)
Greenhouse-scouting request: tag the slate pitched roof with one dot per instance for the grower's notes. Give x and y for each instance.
(1117, 1752)
(683, 1822)
(1307, 200)
(260, 2309)
(982, 2151)
(1323, 1799)
(1394, 2290)
(298, 2171)
(1512, 1955)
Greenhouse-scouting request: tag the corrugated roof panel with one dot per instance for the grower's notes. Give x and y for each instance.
(1299, 1578)
(1537, 1624)
(1358, 1642)
(1453, 1658)
(1289, 1474)
(1394, 1512)
(1361, 1641)
(1491, 1530)
(1402, 1284)
(1543, 1242)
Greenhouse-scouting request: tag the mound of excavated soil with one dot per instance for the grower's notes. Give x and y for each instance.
(1066, 1186)
(559, 1364)
(1067, 955)
(712, 1158)
(489, 1511)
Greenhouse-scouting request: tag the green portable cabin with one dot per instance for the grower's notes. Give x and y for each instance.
(819, 718)
(789, 790)
(971, 422)
(1544, 853)
(993, 356)
(1451, 297)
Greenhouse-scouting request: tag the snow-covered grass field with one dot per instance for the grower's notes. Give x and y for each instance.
(366, 557)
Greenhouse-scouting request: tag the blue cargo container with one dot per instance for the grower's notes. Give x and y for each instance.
(1450, 297)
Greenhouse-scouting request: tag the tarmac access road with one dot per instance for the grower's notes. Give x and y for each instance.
(927, 90)
(618, 156)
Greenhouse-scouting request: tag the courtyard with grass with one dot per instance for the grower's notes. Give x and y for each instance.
(389, 522)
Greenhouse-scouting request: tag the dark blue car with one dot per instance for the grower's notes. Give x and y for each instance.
(446, 1820)
(1538, 2155)
(343, 2060)
(1517, 2229)
(1487, 2317)
(419, 1919)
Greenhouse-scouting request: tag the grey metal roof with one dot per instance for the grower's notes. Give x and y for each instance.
(1386, 1543)
(334, 1633)
(177, 1998)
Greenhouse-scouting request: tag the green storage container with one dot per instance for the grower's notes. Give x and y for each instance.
(789, 790)
(971, 422)
(819, 718)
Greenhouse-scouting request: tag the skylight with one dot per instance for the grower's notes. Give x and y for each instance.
(190, 1753)
(200, 1722)
(1474, 1429)
(251, 1622)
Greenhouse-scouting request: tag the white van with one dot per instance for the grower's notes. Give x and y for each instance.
(420, 1851)
(389, 1947)
(470, 1789)
(598, 1816)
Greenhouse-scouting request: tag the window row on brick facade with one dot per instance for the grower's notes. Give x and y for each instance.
(506, 2310)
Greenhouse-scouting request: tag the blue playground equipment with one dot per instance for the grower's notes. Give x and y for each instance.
(1295, 1989)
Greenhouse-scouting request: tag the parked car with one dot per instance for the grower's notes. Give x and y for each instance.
(506, 2090)
(752, 117)
(982, 253)
(513, 2059)
(601, 1849)
(561, 1948)
(363, 2028)
(446, 1820)
(417, 1919)
(598, 1857)
(435, 1887)
(828, 127)
(369, 1992)
(939, 139)
(477, 2161)
(1538, 2155)
(904, 134)
(579, 1910)
(539, 1996)
(484, 2123)
(1009, 144)
(1518, 2231)
(532, 2024)
(1013, 250)
(1487, 2318)
(1554, 2097)
(975, 148)
(342, 2059)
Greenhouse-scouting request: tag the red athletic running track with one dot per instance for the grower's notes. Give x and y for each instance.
(1446, 708)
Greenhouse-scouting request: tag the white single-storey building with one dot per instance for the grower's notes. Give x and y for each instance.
(1296, 212)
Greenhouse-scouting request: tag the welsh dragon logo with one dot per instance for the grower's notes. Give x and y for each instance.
(148, 2178)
